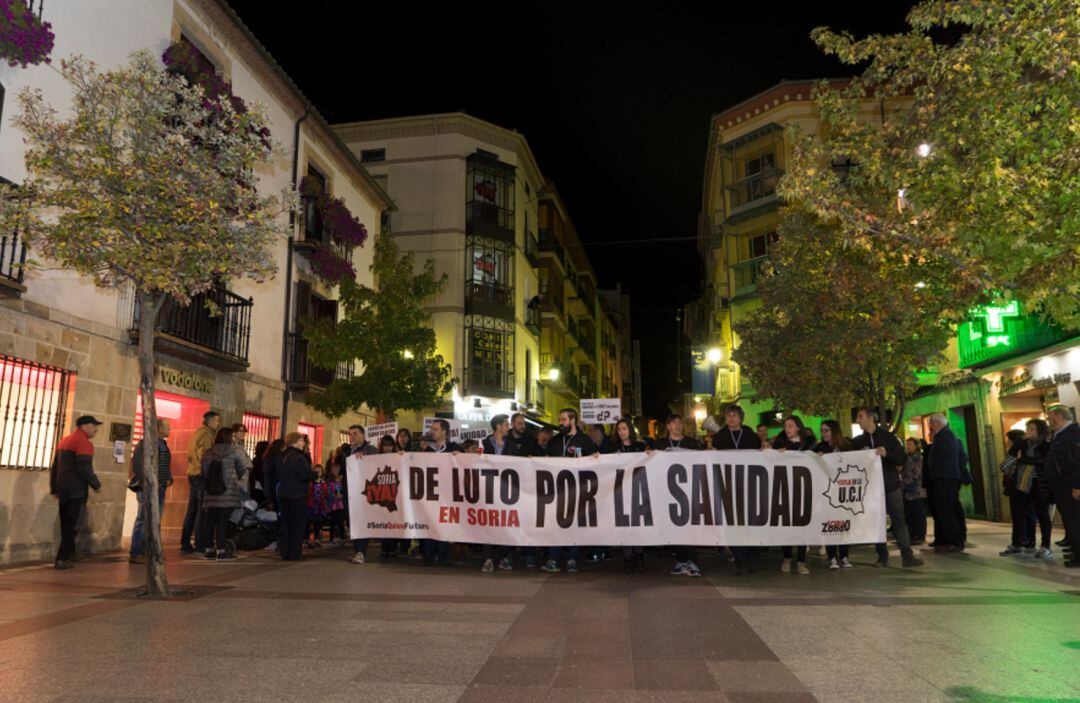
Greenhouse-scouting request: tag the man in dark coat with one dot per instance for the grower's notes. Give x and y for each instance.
(1063, 470)
(70, 477)
(944, 473)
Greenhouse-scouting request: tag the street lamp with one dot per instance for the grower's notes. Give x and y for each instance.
(553, 373)
(407, 354)
(714, 355)
(699, 414)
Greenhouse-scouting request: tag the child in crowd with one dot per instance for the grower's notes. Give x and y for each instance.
(336, 505)
(318, 507)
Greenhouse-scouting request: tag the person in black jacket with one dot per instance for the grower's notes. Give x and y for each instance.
(1019, 501)
(433, 549)
(833, 440)
(794, 437)
(1063, 471)
(524, 442)
(1040, 495)
(295, 475)
(569, 443)
(888, 447)
(498, 444)
(624, 441)
(676, 441)
(736, 435)
(945, 473)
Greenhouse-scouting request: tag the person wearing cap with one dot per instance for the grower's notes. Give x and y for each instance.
(70, 476)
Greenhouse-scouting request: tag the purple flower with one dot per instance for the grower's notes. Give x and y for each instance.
(24, 38)
(330, 267)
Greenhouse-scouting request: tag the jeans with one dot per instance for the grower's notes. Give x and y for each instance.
(894, 506)
(915, 516)
(1069, 509)
(838, 551)
(433, 549)
(70, 510)
(555, 554)
(800, 553)
(138, 531)
(291, 529)
(193, 518)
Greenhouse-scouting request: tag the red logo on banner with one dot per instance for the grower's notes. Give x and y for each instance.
(382, 489)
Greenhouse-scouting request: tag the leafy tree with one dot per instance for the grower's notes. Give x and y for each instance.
(149, 183)
(979, 129)
(840, 323)
(386, 329)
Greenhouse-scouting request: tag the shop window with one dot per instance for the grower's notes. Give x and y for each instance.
(185, 416)
(260, 428)
(314, 434)
(33, 400)
(490, 344)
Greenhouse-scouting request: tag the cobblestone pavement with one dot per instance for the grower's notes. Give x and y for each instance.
(964, 628)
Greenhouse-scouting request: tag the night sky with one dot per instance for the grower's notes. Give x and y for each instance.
(614, 100)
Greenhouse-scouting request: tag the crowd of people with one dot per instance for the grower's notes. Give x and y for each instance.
(1041, 473)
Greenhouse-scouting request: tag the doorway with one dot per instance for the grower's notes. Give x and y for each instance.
(964, 422)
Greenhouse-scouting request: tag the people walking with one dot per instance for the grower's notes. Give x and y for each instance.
(571, 442)
(944, 474)
(292, 491)
(358, 445)
(498, 444)
(624, 439)
(795, 438)
(833, 440)
(137, 552)
(914, 493)
(1063, 471)
(224, 466)
(70, 478)
(193, 528)
(438, 551)
(887, 446)
(676, 441)
(736, 435)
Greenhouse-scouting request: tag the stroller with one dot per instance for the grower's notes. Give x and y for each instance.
(254, 527)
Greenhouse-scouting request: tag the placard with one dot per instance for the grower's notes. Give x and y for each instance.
(600, 411)
(372, 433)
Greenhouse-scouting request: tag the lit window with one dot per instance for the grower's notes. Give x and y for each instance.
(314, 433)
(32, 407)
(260, 428)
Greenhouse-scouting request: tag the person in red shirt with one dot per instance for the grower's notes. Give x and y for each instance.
(70, 477)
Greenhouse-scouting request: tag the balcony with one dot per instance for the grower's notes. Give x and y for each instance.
(532, 249)
(306, 376)
(747, 274)
(532, 319)
(313, 235)
(494, 299)
(550, 247)
(490, 382)
(751, 193)
(192, 333)
(485, 219)
(12, 262)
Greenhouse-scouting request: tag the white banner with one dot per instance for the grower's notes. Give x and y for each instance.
(604, 411)
(373, 433)
(731, 498)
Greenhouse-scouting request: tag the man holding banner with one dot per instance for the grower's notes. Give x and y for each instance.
(676, 441)
(433, 549)
(358, 445)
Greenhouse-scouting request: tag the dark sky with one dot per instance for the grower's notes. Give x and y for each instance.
(615, 100)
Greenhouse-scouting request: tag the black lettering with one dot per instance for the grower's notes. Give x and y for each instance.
(566, 489)
(432, 483)
(780, 512)
(680, 509)
(758, 495)
(489, 484)
(802, 503)
(700, 506)
(621, 518)
(586, 516)
(641, 505)
(545, 494)
(455, 486)
(740, 495)
(416, 483)
(509, 487)
(472, 485)
(722, 494)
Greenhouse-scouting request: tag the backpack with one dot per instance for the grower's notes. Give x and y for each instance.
(215, 478)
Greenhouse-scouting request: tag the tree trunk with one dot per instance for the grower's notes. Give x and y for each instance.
(157, 586)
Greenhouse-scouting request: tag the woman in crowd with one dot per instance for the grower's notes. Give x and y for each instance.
(624, 440)
(404, 440)
(1039, 496)
(914, 492)
(1019, 503)
(390, 548)
(796, 438)
(295, 475)
(271, 468)
(388, 445)
(833, 440)
(224, 462)
(318, 507)
(258, 481)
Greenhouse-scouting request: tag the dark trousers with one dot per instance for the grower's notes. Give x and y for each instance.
(800, 552)
(1069, 509)
(193, 518)
(434, 549)
(337, 524)
(495, 552)
(945, 497)
(70, 510)
(915, 516)
(684, 554)
(1041, 509)
(217, 527)
(744, 555)
(838, 551)
(293, 522)
(555, 554)
(1020, 510)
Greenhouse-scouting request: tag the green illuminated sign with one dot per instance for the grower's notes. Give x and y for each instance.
(996, 332)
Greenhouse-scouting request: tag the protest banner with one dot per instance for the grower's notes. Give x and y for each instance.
(731, 498)
(600, 411)
(373, 433)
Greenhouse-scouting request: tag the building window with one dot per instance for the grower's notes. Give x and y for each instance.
(760, 245)
(314, 433)
(491, 271)
(260, 428)
(528, 377)
(490, 366)
(313, 227)
(489, 196)
(33, 400)
(368, 156)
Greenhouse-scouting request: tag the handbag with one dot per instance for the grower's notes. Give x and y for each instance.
(134, 484)
(1008, 475)
(1025, 477)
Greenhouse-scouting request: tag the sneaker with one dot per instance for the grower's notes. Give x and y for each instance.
(187, 549)
(505, 565)
(488, 567)
(530, 562)
(1044, 553)
(272, 547)
(785, 566)
(679, 569)
(881, 562)
(357, 558)
(550, 567)
(910, 560)
(822, 551)
(804, 570)
(692, 570)
(833, 564)
(1010, 551)
(1062, 542)
(137, 559)
(61, 565)
(210, 554)
(571, 566)
(845, 563)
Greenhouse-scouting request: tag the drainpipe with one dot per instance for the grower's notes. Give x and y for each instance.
(285, 365)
